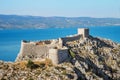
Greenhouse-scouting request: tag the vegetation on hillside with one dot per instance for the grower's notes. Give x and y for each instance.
(36, 22)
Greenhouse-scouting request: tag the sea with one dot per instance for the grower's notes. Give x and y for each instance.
(10, 40)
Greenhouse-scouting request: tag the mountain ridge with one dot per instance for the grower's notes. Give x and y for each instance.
(36, 22)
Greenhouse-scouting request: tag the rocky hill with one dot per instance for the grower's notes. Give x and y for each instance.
(89, 59)
(36, 22)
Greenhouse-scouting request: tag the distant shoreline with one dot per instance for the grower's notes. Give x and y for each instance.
(38, 22)
(54, 28)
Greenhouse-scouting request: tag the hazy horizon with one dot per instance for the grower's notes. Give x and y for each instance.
(57, 16)
(62, 8)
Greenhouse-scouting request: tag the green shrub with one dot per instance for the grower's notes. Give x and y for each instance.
(64, 72)
(31, 65)
(72, 54)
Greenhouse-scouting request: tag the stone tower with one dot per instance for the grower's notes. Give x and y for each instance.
(84, 32)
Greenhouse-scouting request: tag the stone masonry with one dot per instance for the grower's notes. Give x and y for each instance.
(55, 49)
(84, 32)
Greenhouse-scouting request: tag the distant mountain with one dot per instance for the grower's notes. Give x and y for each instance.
(31, 22)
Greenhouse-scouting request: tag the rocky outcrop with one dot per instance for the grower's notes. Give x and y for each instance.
(19, 71)
(96, 58)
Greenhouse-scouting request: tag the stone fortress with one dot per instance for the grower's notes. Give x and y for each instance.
(55, 49)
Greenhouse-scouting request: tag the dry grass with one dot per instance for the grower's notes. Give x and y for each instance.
(21, 64)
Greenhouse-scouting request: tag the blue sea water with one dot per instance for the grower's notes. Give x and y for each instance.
(10, 40)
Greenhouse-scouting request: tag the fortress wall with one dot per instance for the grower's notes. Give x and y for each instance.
(41, 51)
(36, 50)
(58, 55)
(56, 43)
(53, 55)
(62, 55)
(53, 49)
(32, 51)
(45, 49)
(72, 38)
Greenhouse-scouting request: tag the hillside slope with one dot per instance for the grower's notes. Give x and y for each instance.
(90, 59)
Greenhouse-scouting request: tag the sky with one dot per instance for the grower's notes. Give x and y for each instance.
(64, 8)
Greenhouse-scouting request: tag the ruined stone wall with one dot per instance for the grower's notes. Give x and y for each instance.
(53, 56)
(32, 51)
(40, 50)
(62, 55)
(71, 38)
(52, 49)
(58, 55)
